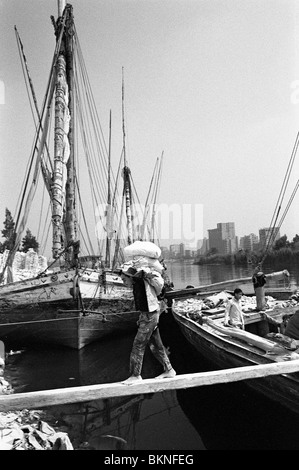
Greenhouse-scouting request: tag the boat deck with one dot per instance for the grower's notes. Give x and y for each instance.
(248, 344)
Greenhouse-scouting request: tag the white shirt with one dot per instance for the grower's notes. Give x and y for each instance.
(233, 312)
(154, 283)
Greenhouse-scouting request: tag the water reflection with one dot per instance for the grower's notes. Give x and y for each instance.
(184, 272)
(229, 417)
(150, 421)
(130, 423)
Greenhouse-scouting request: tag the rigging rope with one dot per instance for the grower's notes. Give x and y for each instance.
(273, 228)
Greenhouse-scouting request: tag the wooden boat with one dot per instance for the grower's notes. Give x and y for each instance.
(70, 303)
(228, 347)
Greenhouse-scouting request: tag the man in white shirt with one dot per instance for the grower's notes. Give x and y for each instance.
(233, 312)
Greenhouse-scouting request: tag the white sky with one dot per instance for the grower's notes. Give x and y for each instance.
(207, 82)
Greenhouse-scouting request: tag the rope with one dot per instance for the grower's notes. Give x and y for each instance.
(36, 321)
(269, 240)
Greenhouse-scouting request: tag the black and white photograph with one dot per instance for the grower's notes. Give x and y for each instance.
(149, 231)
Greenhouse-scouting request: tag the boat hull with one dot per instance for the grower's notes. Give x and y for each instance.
(38, 293)
(224, 353)
(49, 310)
(69, 328)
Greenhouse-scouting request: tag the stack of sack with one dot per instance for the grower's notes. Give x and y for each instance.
(143, 255)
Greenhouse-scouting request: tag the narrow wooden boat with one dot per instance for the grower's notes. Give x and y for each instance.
(228, 347)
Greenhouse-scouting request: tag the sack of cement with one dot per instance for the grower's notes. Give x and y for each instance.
(142, 248)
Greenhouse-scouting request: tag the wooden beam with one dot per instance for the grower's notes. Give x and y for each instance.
(45, 398)
(230, 284)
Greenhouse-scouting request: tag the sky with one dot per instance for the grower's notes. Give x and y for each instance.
(213, 84)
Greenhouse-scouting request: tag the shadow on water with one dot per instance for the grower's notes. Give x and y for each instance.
(229, 416)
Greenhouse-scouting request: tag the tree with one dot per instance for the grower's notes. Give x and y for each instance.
(212, 251)
(29, 241)
(295, 242)
(282, 242)
(8, 232)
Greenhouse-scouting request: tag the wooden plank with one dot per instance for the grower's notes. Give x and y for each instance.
(45, 398)
(224, 285)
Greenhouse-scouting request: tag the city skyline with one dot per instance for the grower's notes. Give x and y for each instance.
(259, 239)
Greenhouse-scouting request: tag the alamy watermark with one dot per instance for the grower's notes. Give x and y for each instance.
(180, 223)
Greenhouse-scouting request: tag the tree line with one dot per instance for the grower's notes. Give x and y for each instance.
(9, 235)
(282, 250)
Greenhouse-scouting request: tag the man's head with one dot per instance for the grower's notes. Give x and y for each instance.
(238, 293)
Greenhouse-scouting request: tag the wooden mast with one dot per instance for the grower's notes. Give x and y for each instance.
(126, 175)
(109, 208)
(152, 237)
(61, 7)
(147, 204)
(63, 189)
(70, 215)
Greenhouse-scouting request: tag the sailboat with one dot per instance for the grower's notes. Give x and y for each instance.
(78, 298)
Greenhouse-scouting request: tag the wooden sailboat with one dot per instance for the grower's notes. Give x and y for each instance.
(70, 303)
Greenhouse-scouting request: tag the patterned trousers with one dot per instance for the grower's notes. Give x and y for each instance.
(148, 334)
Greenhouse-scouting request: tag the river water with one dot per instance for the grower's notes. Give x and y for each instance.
(228, 416)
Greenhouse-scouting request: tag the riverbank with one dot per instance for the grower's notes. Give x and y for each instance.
(274, 259)
(28, 429)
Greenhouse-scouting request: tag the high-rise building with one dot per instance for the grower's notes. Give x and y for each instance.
(177, 250)
(223, 238)
(202, 246)
(249, 242)
(267, 233)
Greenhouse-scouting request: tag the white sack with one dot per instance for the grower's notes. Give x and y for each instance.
(142, 248)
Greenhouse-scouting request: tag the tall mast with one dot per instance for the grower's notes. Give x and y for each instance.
(109, 208)
(70, 214)
(147, 205)
(155, 200)
(63, 189)
(61, 7)
(126, 173)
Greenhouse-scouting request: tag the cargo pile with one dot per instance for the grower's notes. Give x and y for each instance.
(196, 305)
(25, 265)
(25, 430)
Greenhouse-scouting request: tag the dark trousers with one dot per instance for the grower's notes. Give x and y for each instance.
(148, 334)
